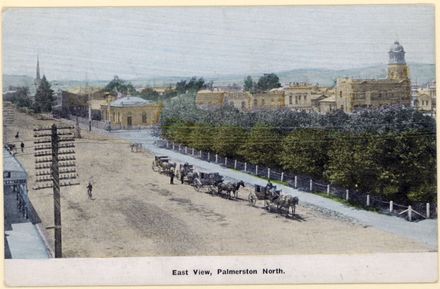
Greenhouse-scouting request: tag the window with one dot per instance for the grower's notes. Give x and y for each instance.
(296, 99)
(290, 99)
(144, 117)
(305, 97)
(340, 93)
(255, 102)
(299, 97)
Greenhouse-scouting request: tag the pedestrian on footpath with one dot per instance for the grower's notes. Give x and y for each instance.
(172, 177)
(89, 191)
(22, 147)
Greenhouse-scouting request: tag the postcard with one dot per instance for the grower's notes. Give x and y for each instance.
(219, 145)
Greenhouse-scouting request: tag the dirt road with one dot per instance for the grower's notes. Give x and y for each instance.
(136, 212)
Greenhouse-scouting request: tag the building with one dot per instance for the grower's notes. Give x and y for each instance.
(131, 112)
(352, 94)
(24, 234)
(305, 97)
(425, 98)
(209, 99)
(327, 104)
(272, 99)
(239, 99)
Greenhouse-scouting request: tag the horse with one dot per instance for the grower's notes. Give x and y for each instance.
(167, 166)
(287, 202)
(230, 188)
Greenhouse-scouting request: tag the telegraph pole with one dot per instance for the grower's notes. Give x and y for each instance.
(56, 192)
(50, 143)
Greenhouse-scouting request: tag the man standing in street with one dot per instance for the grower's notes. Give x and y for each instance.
(172, 177)
(89, 190)
(22, 147)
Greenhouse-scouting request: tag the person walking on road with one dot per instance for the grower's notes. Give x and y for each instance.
(22, 147)
(89, 190)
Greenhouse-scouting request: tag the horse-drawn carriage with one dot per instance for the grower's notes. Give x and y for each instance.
(208, 181)
(186, 174)
(163, 164)
(273, 199)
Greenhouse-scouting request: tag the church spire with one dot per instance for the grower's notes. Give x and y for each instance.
(38, 70)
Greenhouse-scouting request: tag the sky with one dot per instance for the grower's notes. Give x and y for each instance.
(98, 43)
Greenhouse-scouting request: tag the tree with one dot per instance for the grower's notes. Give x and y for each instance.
(21, 97)
(44, 97)
(262, 146)
(201, 137)
(149, 94)
(119, 85)
(352, 161)
(268, 81)
(306, 151)
(228, 140)
(249, 84)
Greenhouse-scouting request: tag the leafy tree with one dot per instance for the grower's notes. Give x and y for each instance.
(262, 145)
(268, 81)
(179, 132)
(249, 84)
(193, 85)
(201, 137)
(21, 97)
(306, 151)
(407, 164)
(119, 85)
(352, 161)
(228, 140)
(149, 94)
(44, 97)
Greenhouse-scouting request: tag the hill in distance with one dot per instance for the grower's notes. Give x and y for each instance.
(419, 73)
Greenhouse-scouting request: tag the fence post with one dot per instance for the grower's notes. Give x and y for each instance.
(311, 184)
(368, 200)
(391, 206)
(245, 166)
(179, 147)
(209, 156)
(296, 182)
(346, 195)
(173, 146)
(193, 152)
(226, 161)
(216, 158)
(268, 173)
(328, 189)
(186, 150)
(235, 164)
(256, 170)
(428, 211)
(200, 153)
(409, 213)
(168, 144)
(282, 176)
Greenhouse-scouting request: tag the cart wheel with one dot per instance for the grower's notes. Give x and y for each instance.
(197, 185)
(252, 199)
